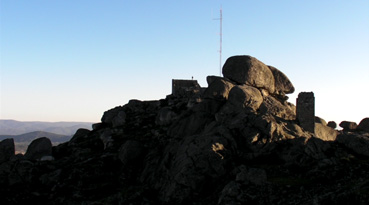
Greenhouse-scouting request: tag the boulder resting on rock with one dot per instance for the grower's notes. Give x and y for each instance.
(348, 126)
(249, 71)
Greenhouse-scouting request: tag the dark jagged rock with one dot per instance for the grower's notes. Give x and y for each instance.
(320, 120)
(247, 148)
(348, 126)
(218, 87)
(363, 125)
(332, 124)
(7, 150)
(356, 142)
(130, 152)
(39, 148)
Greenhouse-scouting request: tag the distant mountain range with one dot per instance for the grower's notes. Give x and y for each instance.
(24, 133)
(13, 127)
(28, 137)
(22, 141)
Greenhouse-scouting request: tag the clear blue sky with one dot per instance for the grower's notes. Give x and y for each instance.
(73, 60)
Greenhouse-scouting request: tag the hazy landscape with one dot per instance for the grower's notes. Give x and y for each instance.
(13, 127)
(24, 133)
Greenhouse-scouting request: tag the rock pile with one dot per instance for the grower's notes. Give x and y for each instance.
(236, 142)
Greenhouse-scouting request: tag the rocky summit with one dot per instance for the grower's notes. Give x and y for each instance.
(238, 141)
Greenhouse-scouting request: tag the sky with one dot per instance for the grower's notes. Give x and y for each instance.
(72, 60)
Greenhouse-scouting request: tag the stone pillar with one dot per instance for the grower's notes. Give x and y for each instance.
(305, 111)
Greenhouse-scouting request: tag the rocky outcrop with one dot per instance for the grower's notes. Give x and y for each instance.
(356, 142)
(363, 125)
(38, 149)
(130, 152)
(348, 125)
(241, 145)
(325, 132)
(320, 120)
(218, 87)
(7, 150)
(332, 124)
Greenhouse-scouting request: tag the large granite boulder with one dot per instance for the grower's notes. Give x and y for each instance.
(282, 84)
(250, 71)
(244, 96)
(363, 125)
(218, 87)
(7, 149)
(324, 132)
(39, 148)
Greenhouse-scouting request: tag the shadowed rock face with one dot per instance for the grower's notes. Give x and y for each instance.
(218, 87)
(348, 126)
(7, 150)
(363, 125)
(282, 84)
(39, 148)
(244, 96)
(241, 145)
(332, 124)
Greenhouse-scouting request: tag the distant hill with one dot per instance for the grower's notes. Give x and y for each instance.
(13, 127)
(29, 137)
(22, 141)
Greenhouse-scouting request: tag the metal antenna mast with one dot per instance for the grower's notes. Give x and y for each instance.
(220, 42)
(220, 49)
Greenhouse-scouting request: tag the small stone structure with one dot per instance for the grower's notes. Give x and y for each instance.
(185, 88)
(305, 111)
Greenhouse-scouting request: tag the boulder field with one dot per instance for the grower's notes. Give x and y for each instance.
(235, 142)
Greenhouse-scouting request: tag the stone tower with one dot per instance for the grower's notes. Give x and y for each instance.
(305, 111)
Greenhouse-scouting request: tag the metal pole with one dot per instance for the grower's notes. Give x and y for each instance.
(220, 50)
(220, 42)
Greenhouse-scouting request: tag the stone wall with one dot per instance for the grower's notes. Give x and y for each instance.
(185, 88)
